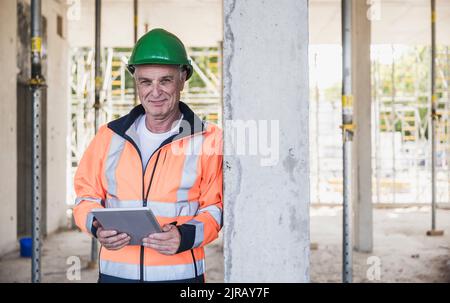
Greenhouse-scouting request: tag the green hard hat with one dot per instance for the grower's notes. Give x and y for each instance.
(158, 46)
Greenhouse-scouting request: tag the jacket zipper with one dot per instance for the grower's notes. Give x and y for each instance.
(144, 204)
(141, 261)
(195, 263)
(145, 195)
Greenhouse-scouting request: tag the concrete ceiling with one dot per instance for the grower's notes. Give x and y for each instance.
(396, 21)
(196, 22)
(199, 22)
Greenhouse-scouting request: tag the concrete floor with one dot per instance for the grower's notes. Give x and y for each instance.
(402, 251)
(62, 250)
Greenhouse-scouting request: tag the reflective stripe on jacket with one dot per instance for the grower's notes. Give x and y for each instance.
(182, 182)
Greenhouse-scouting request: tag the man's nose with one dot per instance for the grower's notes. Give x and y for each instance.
(156, 90)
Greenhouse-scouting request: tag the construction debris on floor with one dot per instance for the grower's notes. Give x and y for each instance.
(402, 251)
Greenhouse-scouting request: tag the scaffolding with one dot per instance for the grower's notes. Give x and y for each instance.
(401, 129)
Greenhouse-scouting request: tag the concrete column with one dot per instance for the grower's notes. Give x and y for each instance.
(362, 159)
(58, 100)
(8, 129)
(266, 189)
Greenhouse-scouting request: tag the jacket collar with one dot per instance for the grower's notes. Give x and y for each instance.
(190, 125)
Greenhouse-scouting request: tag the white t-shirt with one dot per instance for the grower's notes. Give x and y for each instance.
(148, 141)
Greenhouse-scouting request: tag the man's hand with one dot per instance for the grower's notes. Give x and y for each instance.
(110, 239)
(166, 243)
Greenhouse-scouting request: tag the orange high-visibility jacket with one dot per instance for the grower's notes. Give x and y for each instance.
(181, 182)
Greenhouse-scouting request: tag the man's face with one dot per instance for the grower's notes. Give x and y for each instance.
(159, 88)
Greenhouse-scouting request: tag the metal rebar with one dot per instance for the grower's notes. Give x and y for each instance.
(317, 97)
(37, 82)
(347, 135)
(447, 77)
(220, 73)
(434, 117)
(377, 99)
(393, 120)
(135, 27)
(97, 105)
(434, 120)
(36, 255)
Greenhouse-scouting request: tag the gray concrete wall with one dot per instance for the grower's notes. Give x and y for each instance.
(58, 98)
(8, 148)
(362, 148)
(266, 216)
(57, 74)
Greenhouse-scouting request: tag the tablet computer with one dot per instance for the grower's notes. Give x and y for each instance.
(138, 223)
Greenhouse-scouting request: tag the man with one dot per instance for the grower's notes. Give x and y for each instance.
(162, 156)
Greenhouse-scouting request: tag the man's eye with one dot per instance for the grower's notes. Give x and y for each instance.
(145, 82)
(165, 81)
